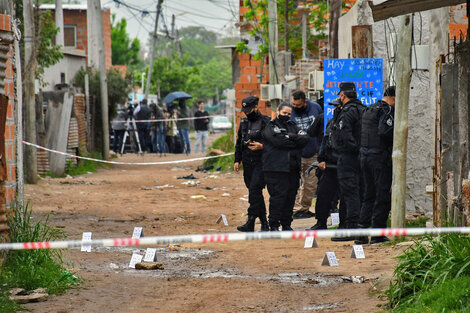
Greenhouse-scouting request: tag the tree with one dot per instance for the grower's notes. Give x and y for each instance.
(124, 50)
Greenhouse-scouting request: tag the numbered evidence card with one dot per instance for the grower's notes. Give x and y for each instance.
(366, 74)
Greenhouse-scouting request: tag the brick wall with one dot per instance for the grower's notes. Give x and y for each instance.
(7, 128)
(77, 18)
(249, 84)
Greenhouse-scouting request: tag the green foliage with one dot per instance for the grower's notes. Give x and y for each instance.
(48, 54)
(451, 296)
(7, 305)
(118, 88)
(124, 51)
(226, 144)
(431, 261)
(85, 166)
(32, 269)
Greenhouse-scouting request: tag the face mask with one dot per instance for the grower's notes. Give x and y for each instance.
(283, 118)
(252, 116)
(299, 110)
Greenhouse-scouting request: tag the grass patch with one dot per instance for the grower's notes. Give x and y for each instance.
(450, 296)
(430, 262)
(226, 144)
(86, 166)
(32, 269)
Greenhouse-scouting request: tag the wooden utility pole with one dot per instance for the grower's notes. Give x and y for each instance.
(272, 29)
(29, 99)
(152, 49)
(94, 6)
(304, 34)
(400, 133)
(335, 14)
(286, 25)
(59, 23)
(173, 34)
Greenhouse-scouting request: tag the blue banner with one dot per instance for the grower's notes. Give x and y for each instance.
(365, 73)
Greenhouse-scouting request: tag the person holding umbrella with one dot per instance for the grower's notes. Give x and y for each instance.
(183, 125)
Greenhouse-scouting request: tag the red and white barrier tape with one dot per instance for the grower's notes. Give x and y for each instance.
(125, 163)
(226, 237)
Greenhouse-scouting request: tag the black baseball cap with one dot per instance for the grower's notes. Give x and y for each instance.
(334, 102)
(249, 103)
(346, 87)
(390, 92)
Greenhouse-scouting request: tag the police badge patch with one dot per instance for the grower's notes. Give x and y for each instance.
(340, 124)
(389, 121)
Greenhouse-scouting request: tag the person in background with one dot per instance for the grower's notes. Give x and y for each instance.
(157, 129)
(282, 151)
(249, 151)
(119, 128)
(200, 126)
(142, 113)
(303, 115)
(376, 165)
(183, 126)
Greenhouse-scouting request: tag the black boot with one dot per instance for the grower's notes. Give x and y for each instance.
(264, 223)
(286, 228)
(249, 225)
(350, 238)
(274, 226)
(319, 225)
(361, 240)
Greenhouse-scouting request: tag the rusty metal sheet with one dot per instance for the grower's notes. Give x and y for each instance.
(362, 44)
(392, 8)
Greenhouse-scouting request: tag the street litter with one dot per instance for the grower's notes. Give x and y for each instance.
(191, 183)
(244, 199)
(176, 168)
(158, 187)
(204, 168)
(225, 194)
(191, 176)
(355, 279)
(149, 266)
(198, 197)
(213, 176)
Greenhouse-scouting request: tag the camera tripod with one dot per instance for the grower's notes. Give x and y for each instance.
(130, 125)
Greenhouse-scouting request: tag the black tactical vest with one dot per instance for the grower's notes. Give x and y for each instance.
(370, 138)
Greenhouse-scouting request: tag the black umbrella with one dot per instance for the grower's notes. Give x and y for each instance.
(176, 95)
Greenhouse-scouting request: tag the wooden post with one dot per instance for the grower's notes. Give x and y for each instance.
(94, 6)
(152, 50)
(286, 25)
(335, 14)
(304, 34)
(19, 125)
(272, 29)
(400, 134)
(29, 100)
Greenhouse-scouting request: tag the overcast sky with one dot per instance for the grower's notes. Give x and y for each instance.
(219, 16)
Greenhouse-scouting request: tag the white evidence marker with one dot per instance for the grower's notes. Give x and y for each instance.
(334, 219)
(357, 252)
(138, 232)
(136, 258)
(86, 237)
(330, 259)
(310, 242)
(150, 255)
(222, 217)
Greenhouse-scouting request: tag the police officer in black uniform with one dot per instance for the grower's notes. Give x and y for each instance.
(328, 182)
(346, 139)
(376, 164)
(248, 151)
(283, 143)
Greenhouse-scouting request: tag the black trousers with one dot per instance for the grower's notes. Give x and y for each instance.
(143, 136)
(349, 186)
(377, 196)
(282, 188)
(326, 194)
(254, 180)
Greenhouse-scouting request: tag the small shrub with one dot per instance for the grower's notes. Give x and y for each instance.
(226, 144)
(85, 166)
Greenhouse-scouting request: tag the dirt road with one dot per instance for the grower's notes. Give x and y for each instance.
(258, 276)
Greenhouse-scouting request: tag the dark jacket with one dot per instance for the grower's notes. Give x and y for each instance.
(201, 123)
(250, 130)
(142, 114)
(303, 120)
(156, 114)
(183, 112)
(326, 153)
(283, 145)
(346, 127)
(371, 142)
